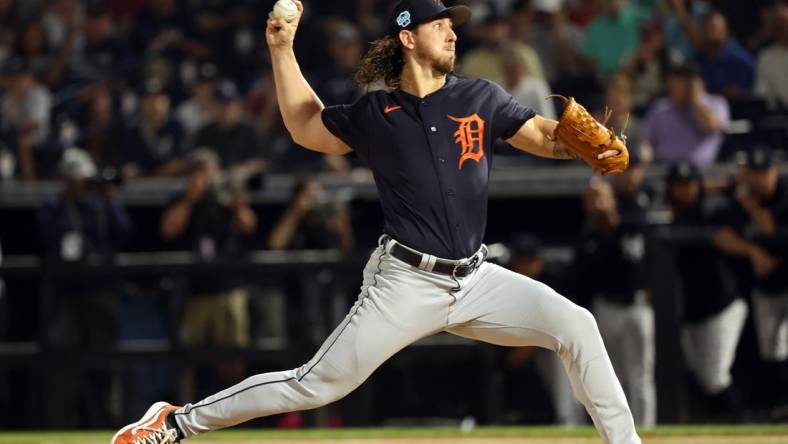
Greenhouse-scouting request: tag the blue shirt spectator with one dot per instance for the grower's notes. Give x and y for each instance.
(726, 67)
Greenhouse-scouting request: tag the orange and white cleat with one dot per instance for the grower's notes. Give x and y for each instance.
(151, 429)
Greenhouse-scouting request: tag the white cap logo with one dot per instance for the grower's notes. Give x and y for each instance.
(403, 19)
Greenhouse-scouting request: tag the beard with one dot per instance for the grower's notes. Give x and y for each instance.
(444, 65)
(442, 62)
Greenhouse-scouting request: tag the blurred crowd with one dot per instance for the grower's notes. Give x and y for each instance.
(139, 84)
(94, 93)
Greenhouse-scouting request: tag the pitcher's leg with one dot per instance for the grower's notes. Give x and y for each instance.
(510, 309)
(392, 311)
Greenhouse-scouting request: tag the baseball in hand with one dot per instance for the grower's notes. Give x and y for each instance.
(285, 9)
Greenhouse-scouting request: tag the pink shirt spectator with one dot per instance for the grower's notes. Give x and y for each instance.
(675, 135)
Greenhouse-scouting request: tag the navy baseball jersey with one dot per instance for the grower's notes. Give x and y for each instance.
(431, 158)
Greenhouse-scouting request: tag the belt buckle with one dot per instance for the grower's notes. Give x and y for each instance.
(471, 264)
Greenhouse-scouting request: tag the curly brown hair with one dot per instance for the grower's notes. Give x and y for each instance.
(384, 60)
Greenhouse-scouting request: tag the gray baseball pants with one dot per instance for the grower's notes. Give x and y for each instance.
(400, 304)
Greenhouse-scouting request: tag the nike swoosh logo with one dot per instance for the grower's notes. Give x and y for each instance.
(389, 109)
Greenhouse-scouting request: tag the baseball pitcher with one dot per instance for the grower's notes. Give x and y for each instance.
(428, 141)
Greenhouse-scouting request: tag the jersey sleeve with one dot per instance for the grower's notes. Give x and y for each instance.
(348, 123)
(508, 115)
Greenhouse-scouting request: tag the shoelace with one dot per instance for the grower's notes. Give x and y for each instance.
(159, 436)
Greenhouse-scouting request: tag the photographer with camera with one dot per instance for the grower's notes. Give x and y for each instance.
(212, 218)
(84, 224)
(313, 220)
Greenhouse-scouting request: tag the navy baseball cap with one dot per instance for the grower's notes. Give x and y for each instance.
(226, 91)
(760, 158)
(683, 171)
(407, 14)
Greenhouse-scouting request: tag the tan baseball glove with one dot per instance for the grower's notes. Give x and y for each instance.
(587, 139)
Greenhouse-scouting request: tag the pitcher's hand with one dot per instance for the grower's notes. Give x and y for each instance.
(279, 33)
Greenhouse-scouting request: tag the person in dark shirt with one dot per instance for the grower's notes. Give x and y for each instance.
(315, 220)
(85, 224)
(757, 231)
(714, 310)
(634, 196)
(153, 145)
(215, 313)
(622, 305)
(233, 140)
(100, 56)
(335, 83)
(726, 67)
(162, 28)
(312, 221)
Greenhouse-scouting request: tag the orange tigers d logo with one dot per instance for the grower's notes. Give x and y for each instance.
(470, 136)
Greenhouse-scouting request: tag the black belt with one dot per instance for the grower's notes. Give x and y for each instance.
(442, 266)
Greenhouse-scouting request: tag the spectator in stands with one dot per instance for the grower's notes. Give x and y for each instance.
(335, 83)
(726, 67)
(769, 26)
(236, 143)
(316, 220)
(772, 80)
(102, 56)
(98, 128)
(487, 60)
(313, 220)
(214, 226)
(60, 18)
(745, 18)
(681, 25)
(162, 29)
(526, 257)
(84, 224)
(25, 112)
(154, 144)
(32, 46)
(648, 65)
(757, 232)
(614, 36)
(527, 90)
(199, 110)
(262, 105)
(556, 41)
(622, 307)
(635, 196)
(688, 124)
(714, 310)
(9, 17)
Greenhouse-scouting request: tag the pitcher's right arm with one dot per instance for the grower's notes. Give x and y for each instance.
(301, 108)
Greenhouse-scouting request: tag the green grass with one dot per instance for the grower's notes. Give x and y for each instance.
(530, 435)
